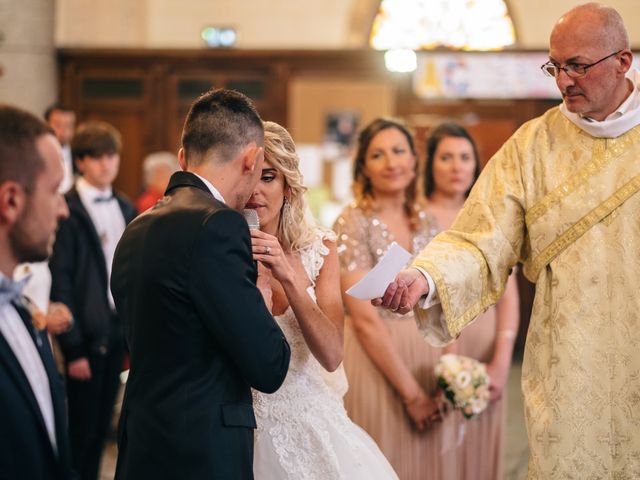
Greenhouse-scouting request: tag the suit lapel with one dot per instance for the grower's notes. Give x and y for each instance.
(128, 213)
(75, 204)
(15, 371)
(56, 389)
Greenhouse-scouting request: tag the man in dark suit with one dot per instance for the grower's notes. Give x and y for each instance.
(33, 425)
(80, 266)
(199, 332)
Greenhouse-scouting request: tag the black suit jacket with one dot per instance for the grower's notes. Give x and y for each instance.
(199, 336)
(25, 448)
(79, 279)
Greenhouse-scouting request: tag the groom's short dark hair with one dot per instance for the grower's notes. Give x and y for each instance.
(20, 160)
(221, 120)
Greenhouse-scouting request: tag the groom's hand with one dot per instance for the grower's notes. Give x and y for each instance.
(404, 292)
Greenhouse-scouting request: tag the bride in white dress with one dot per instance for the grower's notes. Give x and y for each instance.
(303, 429)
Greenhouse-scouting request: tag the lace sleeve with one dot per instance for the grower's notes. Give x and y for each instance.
(313, 257)
(351, 228)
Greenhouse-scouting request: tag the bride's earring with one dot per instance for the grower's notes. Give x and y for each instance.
(286, 213)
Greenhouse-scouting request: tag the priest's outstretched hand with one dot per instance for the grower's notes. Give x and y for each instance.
(404, 292)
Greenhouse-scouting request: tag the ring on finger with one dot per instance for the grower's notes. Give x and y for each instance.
(267, 251)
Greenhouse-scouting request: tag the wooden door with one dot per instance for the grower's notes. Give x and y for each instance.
(123, 99)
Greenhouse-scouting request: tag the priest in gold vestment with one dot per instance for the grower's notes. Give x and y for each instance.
(562, 196)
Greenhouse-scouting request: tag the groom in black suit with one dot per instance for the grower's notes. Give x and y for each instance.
(199, 332)
(33, 423)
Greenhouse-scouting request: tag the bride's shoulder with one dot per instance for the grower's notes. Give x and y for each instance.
(325, 235)
(313, 255)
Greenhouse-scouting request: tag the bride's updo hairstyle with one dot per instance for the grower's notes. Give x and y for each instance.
(295, 229)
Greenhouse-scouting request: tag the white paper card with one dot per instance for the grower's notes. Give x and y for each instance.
(374, 283)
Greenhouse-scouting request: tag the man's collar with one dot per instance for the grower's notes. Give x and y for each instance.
(89, 192)
(632, 98)
(626, 116)
(214, 191)
(631, 102)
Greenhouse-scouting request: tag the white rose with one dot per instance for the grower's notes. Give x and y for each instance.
(478, 406)
(463, 380)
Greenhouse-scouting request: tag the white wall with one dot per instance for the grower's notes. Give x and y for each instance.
(260, 24)
(27, 60)
(101, 23)
(534, 19)
(267, 24)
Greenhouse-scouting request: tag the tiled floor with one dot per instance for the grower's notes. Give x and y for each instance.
(516, 450)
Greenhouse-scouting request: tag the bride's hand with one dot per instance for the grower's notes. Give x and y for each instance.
(266, 249)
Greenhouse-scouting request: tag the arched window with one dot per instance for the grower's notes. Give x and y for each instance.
(428, 24)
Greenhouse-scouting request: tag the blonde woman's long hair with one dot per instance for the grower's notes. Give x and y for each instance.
(296, 230)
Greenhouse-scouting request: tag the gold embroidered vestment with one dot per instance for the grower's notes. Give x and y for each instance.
(567, 206)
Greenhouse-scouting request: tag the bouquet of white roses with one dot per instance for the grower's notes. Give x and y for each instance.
(464, 382)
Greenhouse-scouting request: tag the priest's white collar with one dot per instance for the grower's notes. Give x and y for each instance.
(626, 116)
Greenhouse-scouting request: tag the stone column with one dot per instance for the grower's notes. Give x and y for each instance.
(28, 75)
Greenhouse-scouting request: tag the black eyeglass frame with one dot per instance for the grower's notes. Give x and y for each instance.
(571, 71)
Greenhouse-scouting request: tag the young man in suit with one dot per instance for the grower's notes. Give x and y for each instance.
(33, 424)
(80, 268)
(199, 332)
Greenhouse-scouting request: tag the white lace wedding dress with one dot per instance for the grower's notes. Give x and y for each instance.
(303, 430)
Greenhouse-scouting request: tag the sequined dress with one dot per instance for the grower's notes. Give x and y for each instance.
(371, 401)
(303, 431)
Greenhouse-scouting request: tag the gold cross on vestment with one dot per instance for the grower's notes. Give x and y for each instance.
(614, 445)
(547, 438)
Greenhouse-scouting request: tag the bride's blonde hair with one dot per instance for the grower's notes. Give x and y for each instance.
(295, 229)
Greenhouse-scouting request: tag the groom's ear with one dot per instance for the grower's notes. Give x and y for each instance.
(252, 158)
(182, 160)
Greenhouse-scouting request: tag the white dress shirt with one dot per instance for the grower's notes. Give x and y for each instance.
(107, 219)
(214, 191)
(17, 336)
(67, 165)
(38, 288)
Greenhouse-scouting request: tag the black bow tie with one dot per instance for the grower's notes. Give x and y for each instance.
(106, 198)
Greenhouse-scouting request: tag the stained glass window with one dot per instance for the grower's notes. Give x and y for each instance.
(427, 24)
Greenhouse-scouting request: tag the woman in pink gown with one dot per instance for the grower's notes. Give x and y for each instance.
(452, 168)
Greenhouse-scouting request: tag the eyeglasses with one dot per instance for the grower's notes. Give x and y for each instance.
(573, 70)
